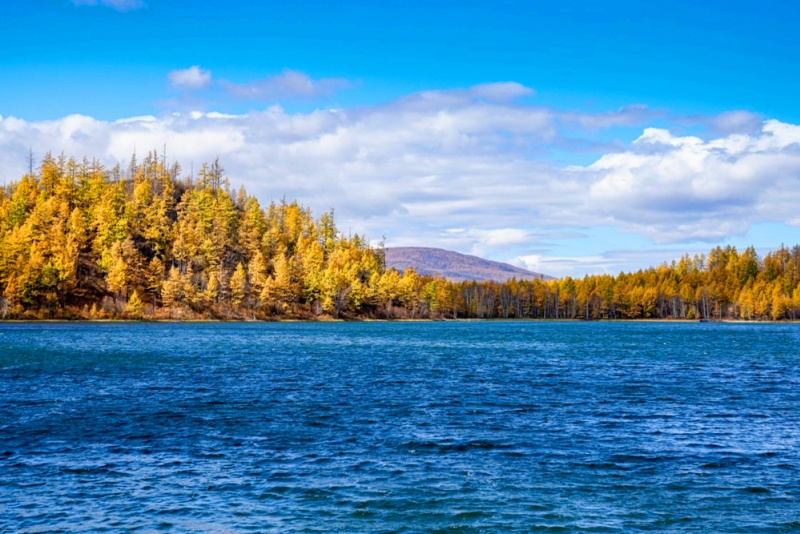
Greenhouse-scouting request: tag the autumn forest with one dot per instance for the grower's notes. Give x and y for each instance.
(80, 241)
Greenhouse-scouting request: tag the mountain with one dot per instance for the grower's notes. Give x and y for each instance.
(454, 266)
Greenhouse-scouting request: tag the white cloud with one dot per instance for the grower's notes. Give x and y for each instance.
(626, 116)
(727, 123)
(610, 262)
(563, 265)
(681, 188)
(192, 78)
(483, 241)
(459, 170)
(288, 84)
(500, 91)
(733, 122)
(117, 5)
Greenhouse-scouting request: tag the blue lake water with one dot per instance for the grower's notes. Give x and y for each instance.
(400, 427)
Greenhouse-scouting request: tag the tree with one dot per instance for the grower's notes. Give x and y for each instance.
(135, 307)
(240, 289)
(172, 289)
(117, 277)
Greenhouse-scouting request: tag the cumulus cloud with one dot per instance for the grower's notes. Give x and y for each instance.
(483, 241)
(192, 78)
(289, 84)
(460, 170)
(680, 188)
(117, 5)
(406, 169)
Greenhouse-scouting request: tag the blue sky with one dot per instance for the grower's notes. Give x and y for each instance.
(568, 137)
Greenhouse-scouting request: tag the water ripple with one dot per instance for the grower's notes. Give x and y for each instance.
(399, 427)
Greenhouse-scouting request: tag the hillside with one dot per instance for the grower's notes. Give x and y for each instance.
(454, 266)
(78, 241)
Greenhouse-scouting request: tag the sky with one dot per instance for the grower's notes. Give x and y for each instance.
(566, 137)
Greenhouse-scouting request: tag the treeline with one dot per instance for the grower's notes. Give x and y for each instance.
(724, 284)
(78, 240)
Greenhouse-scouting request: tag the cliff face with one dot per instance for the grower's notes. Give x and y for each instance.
(455, 266)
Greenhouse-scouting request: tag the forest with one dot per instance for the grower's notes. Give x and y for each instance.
(148, 242)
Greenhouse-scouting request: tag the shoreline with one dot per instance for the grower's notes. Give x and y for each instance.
(399, 320)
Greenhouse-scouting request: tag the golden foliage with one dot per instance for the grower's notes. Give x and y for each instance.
(78, 240)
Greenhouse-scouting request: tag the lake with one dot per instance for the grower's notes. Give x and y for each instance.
(399, 427)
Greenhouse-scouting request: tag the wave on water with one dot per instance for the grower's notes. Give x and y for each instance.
(403, 427)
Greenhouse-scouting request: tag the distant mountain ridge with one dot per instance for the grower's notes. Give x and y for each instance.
(455, 266)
